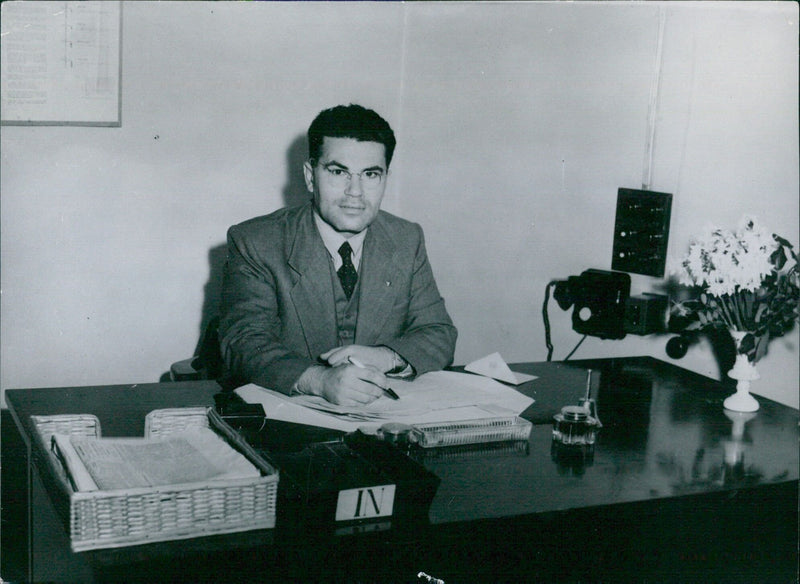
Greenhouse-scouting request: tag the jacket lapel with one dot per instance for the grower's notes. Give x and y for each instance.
(377, 291)
(312, 292)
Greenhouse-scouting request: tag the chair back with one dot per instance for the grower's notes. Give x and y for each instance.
(209, 358)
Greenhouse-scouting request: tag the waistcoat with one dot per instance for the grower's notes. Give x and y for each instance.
(346, 310)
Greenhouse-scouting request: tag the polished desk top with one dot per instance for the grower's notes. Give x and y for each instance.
(665, 435)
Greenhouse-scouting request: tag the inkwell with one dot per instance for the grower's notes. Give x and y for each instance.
(575, 430)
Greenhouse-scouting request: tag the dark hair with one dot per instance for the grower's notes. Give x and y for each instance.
(350, 121)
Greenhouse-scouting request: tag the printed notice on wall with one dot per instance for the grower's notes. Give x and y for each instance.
(60, 63)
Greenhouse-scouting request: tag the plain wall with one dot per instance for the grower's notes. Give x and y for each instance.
(516, 122)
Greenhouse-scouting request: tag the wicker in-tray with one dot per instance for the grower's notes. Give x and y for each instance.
(124, 517)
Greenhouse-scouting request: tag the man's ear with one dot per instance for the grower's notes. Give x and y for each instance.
(308, 173)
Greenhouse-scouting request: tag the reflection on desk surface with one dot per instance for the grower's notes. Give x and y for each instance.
(662, 436)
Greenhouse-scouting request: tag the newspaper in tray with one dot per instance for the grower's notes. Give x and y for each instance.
(125, 463)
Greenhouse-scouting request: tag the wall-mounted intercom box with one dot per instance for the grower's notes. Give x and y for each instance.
(641, 232)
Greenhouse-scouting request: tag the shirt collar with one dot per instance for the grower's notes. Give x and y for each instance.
(333, 240)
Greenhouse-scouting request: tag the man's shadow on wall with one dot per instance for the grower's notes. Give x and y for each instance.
(294, 193)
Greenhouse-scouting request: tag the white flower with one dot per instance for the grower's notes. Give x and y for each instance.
(725, 262)
(740, 286)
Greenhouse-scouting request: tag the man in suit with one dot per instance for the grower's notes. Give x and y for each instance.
(330, 297)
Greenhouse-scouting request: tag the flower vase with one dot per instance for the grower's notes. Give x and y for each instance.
(744, 371)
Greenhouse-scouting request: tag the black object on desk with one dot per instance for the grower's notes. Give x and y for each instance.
(337, 483)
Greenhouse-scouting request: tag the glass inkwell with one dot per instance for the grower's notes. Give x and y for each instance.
(575, 430)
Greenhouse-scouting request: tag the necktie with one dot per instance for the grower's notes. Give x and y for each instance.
(347, 273)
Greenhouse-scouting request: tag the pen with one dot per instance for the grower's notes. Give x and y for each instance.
(387, 390)
(588, 384)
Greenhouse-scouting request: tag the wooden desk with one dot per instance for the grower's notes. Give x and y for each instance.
(657, 501)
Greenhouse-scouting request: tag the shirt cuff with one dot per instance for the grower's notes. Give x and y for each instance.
(400, 367)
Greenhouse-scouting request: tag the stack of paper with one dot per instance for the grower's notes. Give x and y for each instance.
(440, 396)
(124, 463)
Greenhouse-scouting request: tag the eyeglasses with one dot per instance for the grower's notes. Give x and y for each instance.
(338, 177)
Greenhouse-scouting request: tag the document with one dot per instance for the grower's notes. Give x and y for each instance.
(126, 463)
(438, 396)
(495, 366)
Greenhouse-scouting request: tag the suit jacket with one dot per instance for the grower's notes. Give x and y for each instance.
(278, 310)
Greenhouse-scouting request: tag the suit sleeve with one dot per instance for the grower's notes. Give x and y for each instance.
(249, 322)
(428, 339)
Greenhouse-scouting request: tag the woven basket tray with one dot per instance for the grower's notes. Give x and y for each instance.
(125, 517)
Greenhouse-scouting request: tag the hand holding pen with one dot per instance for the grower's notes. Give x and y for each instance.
(349, 382)
(388, 391)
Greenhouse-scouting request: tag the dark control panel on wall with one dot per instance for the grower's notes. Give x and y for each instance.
(641, 232)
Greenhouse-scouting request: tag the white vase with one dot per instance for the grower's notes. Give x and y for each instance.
(744, 371)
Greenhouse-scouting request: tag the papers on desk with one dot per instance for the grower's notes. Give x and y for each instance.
(438, 396)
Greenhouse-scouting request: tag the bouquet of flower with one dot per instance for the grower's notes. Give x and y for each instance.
(745, 281)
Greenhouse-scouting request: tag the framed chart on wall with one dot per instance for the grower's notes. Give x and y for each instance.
(61, 63)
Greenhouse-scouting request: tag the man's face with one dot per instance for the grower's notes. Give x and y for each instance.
(348, 182)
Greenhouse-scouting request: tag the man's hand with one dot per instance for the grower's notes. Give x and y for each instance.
(345, 385)
(381, 358)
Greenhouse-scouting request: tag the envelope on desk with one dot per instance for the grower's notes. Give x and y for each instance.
(495, 367)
